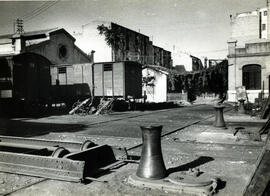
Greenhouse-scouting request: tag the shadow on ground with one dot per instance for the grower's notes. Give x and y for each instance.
(193, 164)
(21, 128)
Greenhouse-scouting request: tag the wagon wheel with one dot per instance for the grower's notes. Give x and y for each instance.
(108, 108)
(60, 152)
(81, 110)
(74, 105)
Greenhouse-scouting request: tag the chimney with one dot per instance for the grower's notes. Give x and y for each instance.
(92, 56)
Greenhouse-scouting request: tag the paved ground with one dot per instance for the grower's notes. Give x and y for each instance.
(124, 124)
(192, 142)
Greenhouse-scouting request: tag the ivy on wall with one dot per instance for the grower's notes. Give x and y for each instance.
(149, 80)
(114, 38)
(210, 80)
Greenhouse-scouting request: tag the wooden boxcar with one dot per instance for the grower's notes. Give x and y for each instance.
(117, 79)
(25, 81)
(71, 83)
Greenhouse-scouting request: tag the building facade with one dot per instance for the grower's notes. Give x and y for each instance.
(138, 47)
(196, 63)
(249, 54)
(57, 45)
(70, 73)
(155, 87)
(129, 46)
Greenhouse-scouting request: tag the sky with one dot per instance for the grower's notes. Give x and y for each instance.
(197, 27)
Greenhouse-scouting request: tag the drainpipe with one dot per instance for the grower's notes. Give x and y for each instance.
(268, 19)
(232, 54)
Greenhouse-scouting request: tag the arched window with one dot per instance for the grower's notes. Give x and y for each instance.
(252, 77)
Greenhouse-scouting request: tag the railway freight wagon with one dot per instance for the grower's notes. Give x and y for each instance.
(25, 82)
(71, 83)
(117, 79)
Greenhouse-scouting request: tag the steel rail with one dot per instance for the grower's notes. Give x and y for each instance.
(179, 129)
(75, 146)
(72, 146)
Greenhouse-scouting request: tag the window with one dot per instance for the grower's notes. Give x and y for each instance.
(107, 67)
(252, 77)
(62, 51)
(263, 27)
(62, 70)
(265, 13)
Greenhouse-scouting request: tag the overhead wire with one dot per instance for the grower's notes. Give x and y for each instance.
(29, 14)
(40, 11)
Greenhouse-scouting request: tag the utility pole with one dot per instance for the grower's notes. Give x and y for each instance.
(18, 26)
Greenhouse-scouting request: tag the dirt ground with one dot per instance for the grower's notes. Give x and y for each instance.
(192, 142)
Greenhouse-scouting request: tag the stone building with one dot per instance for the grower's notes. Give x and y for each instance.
(196, 63)
(57, 45)
(167, 59)
(131, 46)
(249, 54)
(69, 67)
(138, 47)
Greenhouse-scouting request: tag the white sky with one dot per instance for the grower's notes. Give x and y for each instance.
(199, 27)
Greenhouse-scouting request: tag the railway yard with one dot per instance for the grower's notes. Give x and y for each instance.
(189, 141)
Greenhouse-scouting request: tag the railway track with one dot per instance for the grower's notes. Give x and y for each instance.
(57, 148)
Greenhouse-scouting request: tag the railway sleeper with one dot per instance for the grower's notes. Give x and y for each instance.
(58, 160)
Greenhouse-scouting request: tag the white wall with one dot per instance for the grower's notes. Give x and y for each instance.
(6, 48)
(235, 75)
(157, 93)
(89, 39)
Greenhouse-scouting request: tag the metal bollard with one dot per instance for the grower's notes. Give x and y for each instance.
(151, 163)
(219, 120)
(241, 108)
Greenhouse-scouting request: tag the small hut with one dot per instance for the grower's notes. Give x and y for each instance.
(155, 83)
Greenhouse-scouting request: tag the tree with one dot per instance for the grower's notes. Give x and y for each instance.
(114, 38)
